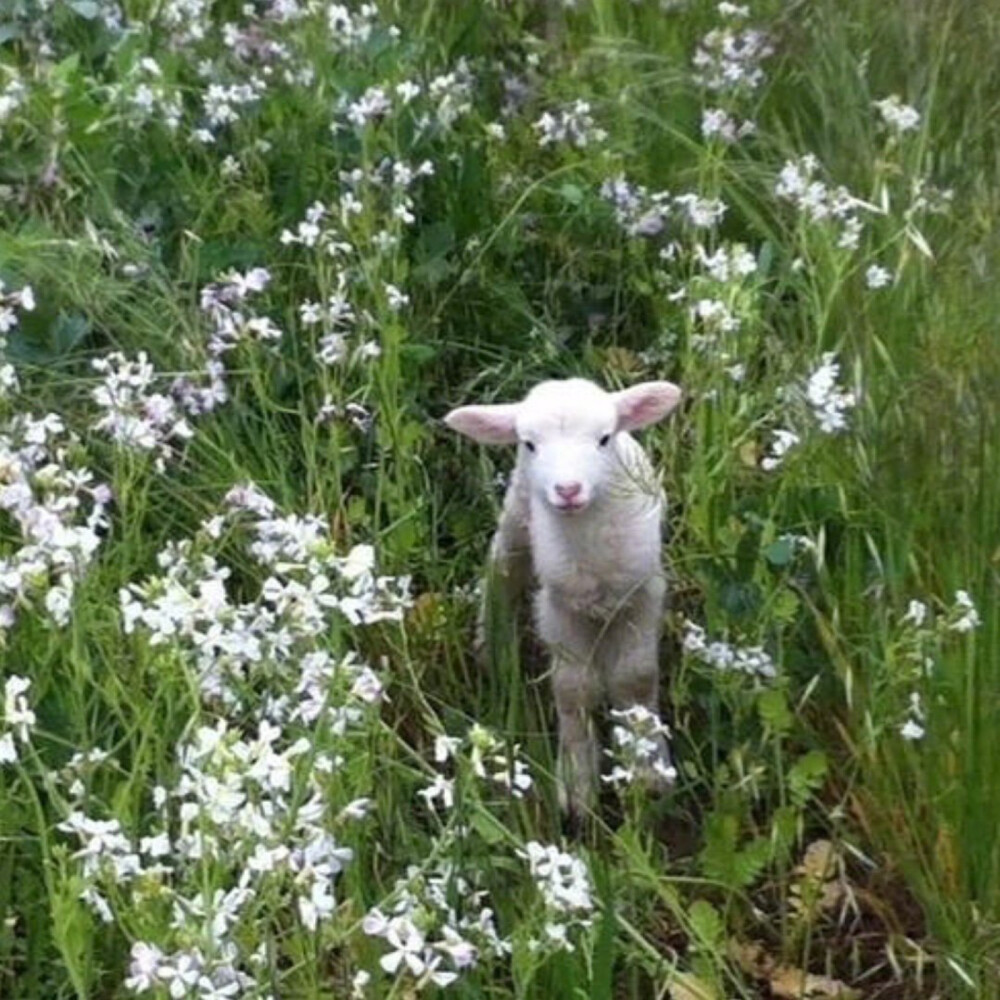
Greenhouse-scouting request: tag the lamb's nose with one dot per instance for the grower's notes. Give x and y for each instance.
(569, 491)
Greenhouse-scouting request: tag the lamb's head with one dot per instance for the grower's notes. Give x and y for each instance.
(567, 432)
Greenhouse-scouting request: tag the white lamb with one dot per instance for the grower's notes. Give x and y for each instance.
(584, 511)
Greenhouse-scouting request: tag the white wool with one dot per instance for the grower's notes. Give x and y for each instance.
(582, 516)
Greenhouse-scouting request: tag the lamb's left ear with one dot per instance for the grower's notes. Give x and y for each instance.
(645, 403)
(485, 424)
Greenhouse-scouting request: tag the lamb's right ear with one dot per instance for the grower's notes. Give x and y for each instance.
(485, 424)
(644, 404)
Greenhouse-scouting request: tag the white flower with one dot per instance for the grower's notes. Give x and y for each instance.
(372, 105)
(728, 60)
(463, 953)
(440, 788)
(408, 943)
(144, 969)
(829, 403)
(16, 712)
(359, 983)
(968, 617)
(877, 277)
(898, 116)
(375, 923)
(916, 613)
(445, 747)
(750, 660)
(397, 299)
(573, 125)
(356, 809)
(783, 442)
(182, 974)
(408, 90)
(562, 879)
(911, 730)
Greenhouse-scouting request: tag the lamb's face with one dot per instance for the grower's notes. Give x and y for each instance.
(566, 432)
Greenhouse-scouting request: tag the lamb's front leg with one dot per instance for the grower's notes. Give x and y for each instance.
(630, 661)
(571, 639)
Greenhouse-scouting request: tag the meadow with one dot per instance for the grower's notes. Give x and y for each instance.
(251, 253)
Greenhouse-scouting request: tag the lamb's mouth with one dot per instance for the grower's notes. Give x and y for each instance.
(570, 506)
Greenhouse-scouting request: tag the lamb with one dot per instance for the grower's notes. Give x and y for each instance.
(583, 511)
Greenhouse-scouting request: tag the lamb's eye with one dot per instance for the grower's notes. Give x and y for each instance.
(604, 440)
(530, 445)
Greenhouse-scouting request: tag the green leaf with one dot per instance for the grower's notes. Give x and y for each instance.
(739, 600)
(572, 194)
(435, 240)
(774, 711)
(418, 354)
(488, 827)
(706, 924)
(88, 9)
(780, 553)
(807, 776)
(68, 331)
(785, 606)
(40, 340)
(751, 861)
(723, 862)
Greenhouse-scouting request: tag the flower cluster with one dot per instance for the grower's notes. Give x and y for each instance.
(145, 96)
(141, 418)
(437, 924)
(828, 402)
(782, 442)
(486, 758)
(913, 728)
(59, 510)
(223, 302)
(135, 415)
(573, 125)
(351, 29)
(563, 882)
(261, 794)
(639, 749)
(717, 123)
(729, 59)
(643, 213)
(18, 718)
(727, 263)
(798, 183)
(898, 116)
(964, 617)
(248, 815)
(753, 661)
(188, 606)
(11, 303)
(877, 276)
(445, 100)
(12, 96)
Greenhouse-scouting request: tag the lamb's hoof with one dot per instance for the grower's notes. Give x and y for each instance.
(574, 826)
(574, 812)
